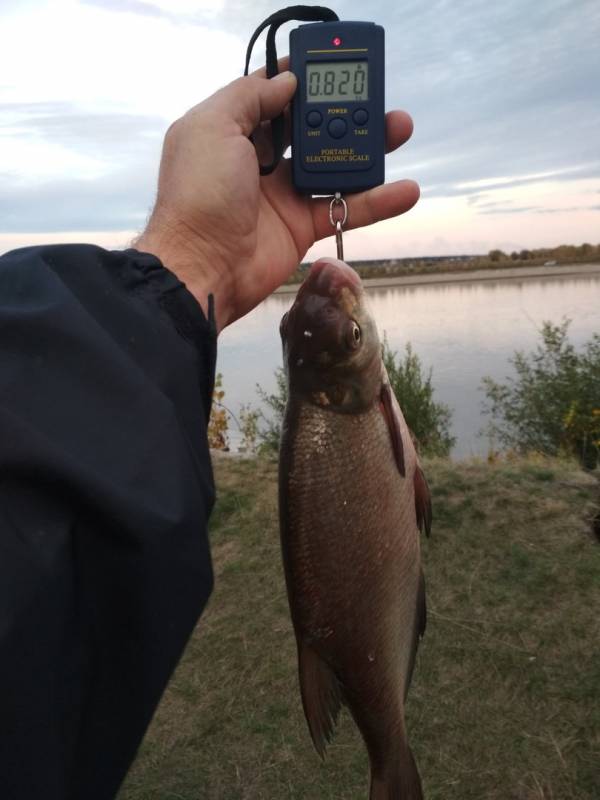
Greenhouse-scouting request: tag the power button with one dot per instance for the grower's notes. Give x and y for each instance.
(337, 128)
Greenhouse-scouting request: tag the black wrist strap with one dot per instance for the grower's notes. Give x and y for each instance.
(302, 14)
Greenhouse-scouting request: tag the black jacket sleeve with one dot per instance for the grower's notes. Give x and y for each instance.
(106, 373)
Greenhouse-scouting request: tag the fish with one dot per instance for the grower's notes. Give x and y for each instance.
(353, 500)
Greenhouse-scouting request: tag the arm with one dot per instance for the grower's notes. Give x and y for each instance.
(105, 479)
(105, 491)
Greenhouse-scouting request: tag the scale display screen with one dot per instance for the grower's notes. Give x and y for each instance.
(337, 81)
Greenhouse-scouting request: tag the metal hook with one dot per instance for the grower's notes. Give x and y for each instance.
(338, 240)
(338, 222)
(338, 200)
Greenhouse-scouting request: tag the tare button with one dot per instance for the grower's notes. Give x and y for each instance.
(360, 116)
(337, 128)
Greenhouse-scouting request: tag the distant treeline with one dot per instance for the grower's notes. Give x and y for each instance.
(395, 267)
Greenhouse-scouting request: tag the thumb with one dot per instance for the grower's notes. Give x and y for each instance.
(250, 100)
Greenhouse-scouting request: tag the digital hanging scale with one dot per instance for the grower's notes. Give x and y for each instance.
(338, 112)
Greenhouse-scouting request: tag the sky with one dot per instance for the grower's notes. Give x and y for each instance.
(505, 98)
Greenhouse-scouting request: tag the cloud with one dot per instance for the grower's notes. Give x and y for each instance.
(567, 210)
(450, 189)
(86, 131)
(512, 180)
(500, 103)
(508, 210)
(132, 7)
(176, 13)
(121, 200)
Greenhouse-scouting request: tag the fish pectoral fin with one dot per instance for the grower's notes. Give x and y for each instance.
(321, 696)
(391, 413)
(422, 501)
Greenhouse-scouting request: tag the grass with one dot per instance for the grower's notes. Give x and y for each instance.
(504, 702)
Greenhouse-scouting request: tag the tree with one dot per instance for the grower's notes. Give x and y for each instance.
(552, 406)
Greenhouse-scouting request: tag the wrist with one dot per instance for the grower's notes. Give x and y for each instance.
(192, 261)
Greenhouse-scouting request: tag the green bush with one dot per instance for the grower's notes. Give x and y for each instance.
(552, 406)
(428, 420)
(270, 431)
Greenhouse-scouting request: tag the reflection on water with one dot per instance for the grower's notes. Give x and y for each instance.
(463, 331)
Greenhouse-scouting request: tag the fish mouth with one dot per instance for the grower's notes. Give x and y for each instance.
(327, 277)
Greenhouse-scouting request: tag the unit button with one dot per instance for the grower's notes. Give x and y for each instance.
(314, 119)
(360, 116)
(337, 127)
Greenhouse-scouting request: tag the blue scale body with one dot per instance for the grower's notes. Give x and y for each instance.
(342, 153)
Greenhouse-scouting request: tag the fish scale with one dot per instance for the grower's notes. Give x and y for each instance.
(344, 556)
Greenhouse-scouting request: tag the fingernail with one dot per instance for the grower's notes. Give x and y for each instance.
(284, 76)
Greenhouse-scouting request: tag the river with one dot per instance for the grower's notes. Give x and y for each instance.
(462, 331)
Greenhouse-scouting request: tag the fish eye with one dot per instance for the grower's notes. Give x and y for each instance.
(354, 335)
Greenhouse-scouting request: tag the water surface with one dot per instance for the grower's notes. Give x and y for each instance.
(462, 330)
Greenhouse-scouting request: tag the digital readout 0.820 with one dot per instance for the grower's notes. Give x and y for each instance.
(337, 81)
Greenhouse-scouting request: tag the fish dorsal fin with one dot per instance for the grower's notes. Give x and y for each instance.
(391, 413)
(422, 501)
(321, 696)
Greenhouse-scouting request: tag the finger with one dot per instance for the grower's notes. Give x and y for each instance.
(263, 140)
(262, 135)
(382, 202)
(283, 64)
(250, 100)
(398, 129)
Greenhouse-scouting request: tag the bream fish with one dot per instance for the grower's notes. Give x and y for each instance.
(352, 499)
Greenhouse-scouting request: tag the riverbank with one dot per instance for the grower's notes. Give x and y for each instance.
(474, 276)
(502, 702)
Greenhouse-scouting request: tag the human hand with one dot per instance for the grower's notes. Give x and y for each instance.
(224, 229)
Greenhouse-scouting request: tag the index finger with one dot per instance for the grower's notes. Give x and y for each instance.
(283, 64)
(251, 99)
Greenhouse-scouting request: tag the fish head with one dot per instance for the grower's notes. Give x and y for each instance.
(332, 352)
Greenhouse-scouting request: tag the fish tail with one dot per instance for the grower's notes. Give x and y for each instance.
(398, 780)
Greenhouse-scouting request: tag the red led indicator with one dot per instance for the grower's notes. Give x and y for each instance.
(336, 41)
